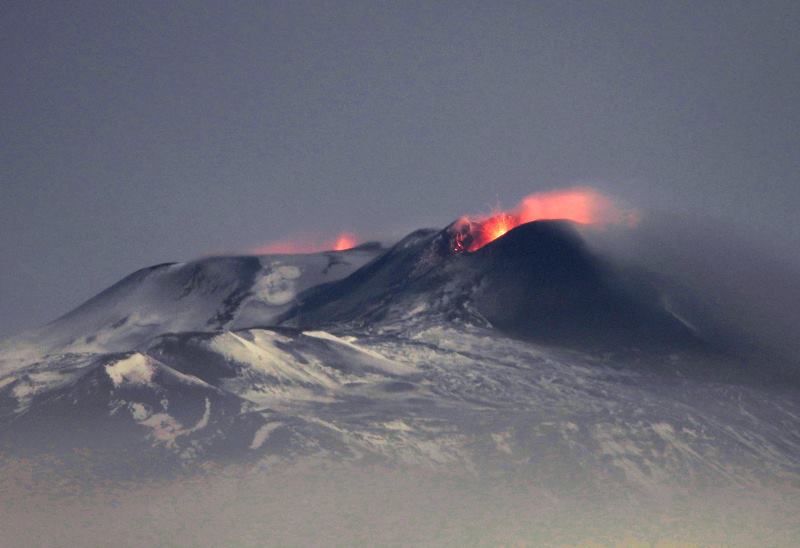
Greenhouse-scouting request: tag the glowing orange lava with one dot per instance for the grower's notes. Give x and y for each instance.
(344, 242)
(499, 224)
(306, 244)
(580, 205)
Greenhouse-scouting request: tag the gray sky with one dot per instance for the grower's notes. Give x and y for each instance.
(133, 133)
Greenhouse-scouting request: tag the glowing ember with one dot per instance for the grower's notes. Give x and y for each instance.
(305, 244)
(496, 226)
(344, 242)
(580, 205)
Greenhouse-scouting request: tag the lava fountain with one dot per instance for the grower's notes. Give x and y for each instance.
(584, 206)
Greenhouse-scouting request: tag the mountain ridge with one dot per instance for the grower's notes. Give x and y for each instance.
(532, 353)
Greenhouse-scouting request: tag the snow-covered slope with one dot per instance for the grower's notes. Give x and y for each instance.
(204, 295)
(531, 354)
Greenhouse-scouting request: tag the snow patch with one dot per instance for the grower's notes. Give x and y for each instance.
(502, 442)
(167, 429)
(263, 433)
(134, 369)
(203, 422)
(34, 383)
(398, 425)
(139, 411)
(8, 380)
(373, 358)
(674, 313)
(278, 287)
(348, 342)
(263, 354)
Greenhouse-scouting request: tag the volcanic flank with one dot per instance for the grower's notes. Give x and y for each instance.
(538, 281)
(518, 348)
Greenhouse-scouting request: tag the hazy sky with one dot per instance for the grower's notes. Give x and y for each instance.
(133, 133)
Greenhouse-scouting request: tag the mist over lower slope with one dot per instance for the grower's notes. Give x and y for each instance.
(742, 288)
(534, 358)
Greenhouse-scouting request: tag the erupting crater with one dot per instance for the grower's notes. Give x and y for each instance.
(584, 206)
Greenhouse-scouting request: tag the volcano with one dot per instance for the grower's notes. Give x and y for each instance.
(538, 281)
(531, 352)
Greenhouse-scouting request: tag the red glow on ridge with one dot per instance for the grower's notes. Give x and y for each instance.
(305, 244)
(344, 242)
(580, 205)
